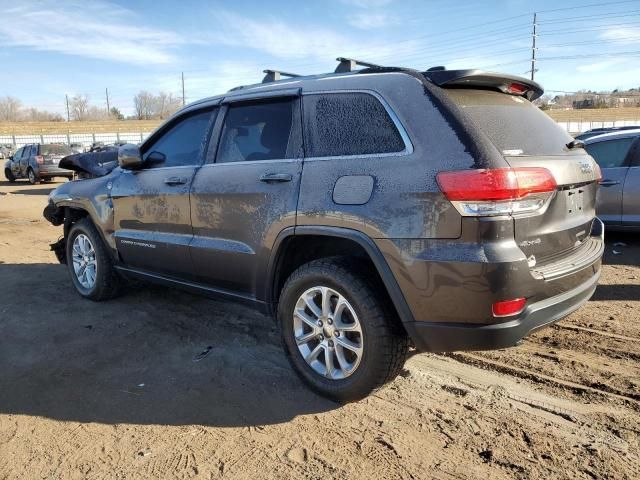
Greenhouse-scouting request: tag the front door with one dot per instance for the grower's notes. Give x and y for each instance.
(611, 157)
(247, 193)
(15, 163)
(152, 214)
(631, 194)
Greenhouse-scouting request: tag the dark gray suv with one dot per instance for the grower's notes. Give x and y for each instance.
(368, 211)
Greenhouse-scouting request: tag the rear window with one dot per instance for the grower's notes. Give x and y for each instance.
(55, 150)
(342, 124)
(513, 124)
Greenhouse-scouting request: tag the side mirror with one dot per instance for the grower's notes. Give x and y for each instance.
(129, 157)
(11, 157)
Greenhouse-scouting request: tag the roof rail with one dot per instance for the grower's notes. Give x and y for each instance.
(275, 75)
(349, 64)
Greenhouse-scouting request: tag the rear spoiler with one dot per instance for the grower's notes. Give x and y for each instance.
(510, 84)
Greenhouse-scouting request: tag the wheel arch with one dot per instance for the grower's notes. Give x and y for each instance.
(277, 273)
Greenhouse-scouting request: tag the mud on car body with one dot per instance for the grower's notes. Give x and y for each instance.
(366, 210)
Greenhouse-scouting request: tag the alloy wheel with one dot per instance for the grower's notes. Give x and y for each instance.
(328, 333)
(84, 261)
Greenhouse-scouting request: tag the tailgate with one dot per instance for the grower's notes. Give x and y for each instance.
(565, 224)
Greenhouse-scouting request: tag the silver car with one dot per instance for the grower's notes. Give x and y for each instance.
(618, 154)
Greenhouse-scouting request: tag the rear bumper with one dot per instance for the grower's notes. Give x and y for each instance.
(448, 337)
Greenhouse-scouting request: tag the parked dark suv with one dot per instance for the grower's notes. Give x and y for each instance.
(367, 210)
(37, 162)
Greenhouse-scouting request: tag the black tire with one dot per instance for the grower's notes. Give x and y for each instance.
(31, 175)
(9, 175)
(385, 344)
(107, 281)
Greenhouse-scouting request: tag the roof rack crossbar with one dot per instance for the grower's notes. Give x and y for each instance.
(349, 64)
(275, 75)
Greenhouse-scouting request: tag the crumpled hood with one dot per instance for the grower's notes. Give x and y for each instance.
(96, 164)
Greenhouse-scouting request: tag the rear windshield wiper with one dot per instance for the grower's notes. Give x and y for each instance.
(575, 144)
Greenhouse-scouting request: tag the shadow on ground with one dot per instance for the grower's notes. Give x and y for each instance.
(132, 359)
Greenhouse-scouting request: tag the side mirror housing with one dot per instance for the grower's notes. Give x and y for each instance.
(129, 157)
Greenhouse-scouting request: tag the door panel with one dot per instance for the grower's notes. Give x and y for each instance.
(631, 198)
(153, 219)
(609, 200)
(236, 218)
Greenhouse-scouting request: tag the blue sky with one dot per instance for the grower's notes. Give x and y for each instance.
(49, 48)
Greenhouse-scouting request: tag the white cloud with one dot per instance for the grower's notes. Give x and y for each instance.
(622, 35)
(369, 21)
(89, 29)
(604, 65)
(279, 39)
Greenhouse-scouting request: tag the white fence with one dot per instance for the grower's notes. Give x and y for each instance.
(85, 139)
(579, 126)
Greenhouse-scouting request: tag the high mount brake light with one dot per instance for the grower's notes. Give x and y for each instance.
(499, 191)
(517, 89)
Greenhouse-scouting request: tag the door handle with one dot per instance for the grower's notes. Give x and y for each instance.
(276, 177)
(609, 183)
(175, 180)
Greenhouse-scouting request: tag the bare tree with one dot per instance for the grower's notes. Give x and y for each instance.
(144, 103)
(9, 109)
(34, 115)
(166, 104)
(79, 106)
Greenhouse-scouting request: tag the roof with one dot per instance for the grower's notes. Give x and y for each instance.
(613, 136)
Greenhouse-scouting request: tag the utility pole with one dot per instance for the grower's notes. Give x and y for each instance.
(183, 102)
(67, 99)
(106, 91)
(533, 48)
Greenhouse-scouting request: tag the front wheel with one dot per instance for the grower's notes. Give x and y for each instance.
(9, 175)
(339, 333)
(89, 263)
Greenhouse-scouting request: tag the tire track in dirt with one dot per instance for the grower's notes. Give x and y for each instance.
(632, 399)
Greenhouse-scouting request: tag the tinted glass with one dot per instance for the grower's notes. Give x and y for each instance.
(18, 154)
(256, 131)
(182, 143)
(55, 150)
(340, 124)
(610, 153)
(513, 124)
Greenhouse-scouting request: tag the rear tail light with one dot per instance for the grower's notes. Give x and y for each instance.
(507, 308)
(39, 159)
(499, 191)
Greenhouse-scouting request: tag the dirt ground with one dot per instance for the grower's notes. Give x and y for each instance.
(112, 390)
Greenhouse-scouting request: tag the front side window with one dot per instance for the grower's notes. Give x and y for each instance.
(18, 154)
(258, 131)
(610, 153)
(339, 124)
(181, 144)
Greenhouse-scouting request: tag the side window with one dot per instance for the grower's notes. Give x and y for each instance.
(341, 124)
(18, 153)
(257, 131)
(181, 143)
(610, 153)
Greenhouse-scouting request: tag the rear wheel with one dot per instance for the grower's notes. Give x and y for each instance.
(9, 175)
(338, 332)
(89, 263)
(31, 175)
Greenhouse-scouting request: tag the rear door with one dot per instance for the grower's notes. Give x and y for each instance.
(247, 192)
(151, 205)
(631, 193)
(611, 156)
(527, 137)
